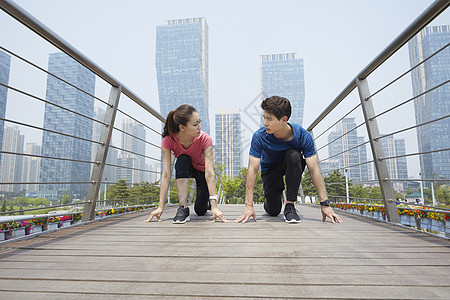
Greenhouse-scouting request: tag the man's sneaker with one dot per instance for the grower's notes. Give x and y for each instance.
(291, 214)
(182, 215)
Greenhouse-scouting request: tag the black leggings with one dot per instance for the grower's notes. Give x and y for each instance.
(292, 166)
(184, 169)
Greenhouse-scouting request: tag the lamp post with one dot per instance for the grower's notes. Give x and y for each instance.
(432, 191)
(421, 189)
(104, 196)
(346, 184)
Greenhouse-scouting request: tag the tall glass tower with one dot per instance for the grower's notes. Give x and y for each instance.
(59, 120)
(283, 75)
(182, 66)
(434, 104)
(352, 159)
(5, 61)
(227, 150)
(135, 145)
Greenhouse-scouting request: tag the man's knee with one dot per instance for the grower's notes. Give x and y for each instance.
(293, 156)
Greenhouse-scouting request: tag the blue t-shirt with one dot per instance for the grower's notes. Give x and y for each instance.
(271, 149)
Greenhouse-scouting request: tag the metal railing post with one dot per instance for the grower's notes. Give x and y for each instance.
(102, 152)
(377, 151)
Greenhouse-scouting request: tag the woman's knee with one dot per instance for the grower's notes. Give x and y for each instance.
(182, 166)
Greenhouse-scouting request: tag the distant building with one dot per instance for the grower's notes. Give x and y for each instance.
(355, 157)
(11, 166)
(31, 166)
(59, 120)
(434, 104)
(397, 167)
(227, 149)
(182, 66)
(5, 61)
(109, 173)
(134, 143)
(283, 75)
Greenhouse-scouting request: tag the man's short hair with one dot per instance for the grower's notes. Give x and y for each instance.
(278, 106)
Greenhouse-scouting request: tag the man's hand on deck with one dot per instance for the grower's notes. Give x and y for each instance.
(329, 212)
(248, 212)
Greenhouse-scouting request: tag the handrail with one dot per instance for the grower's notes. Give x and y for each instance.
(46, 33)
(418, 24)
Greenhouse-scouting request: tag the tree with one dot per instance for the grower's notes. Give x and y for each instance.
(358, 191)
(335, 184)
(119, 190)
(66, 199)
(375, 193)
(443, 194)
(307, 184)
(3, 209)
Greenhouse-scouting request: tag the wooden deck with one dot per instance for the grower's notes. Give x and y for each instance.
(127, 258)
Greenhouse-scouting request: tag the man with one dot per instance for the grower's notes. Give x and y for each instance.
(279, 148)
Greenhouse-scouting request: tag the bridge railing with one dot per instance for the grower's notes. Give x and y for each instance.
(386, 121)
(73, 104)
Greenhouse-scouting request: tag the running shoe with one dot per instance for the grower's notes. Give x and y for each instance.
(182, 215)
(291, 214)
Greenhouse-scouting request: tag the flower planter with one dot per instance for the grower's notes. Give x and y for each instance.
(405, 220)
(64, 224)
(447, 229)
(378, 215)
(52, 226)
(14, 233)
(425, 223)
(437, 225)
(2, 235)
(76, 222)
(36, 229)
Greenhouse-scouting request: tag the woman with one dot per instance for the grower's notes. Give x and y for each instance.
(193, 150)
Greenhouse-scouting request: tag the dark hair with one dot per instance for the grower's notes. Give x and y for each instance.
(278, 106)
(177, 117)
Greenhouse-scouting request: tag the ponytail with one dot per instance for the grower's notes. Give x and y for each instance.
(177, 117)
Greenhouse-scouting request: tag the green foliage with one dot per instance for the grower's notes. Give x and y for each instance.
(138, 193)
(235, 187)
(443, 194)
(66, 199)
(3, 209)
(359, 191)
(307, 184)
(375, 193)
(335, 184)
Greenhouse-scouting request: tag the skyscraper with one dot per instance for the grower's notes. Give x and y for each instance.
(227, 150)
(31, 166)
(397, 167)
(352, 159)
(11, 166)
(283, 75)
(109, 173)
(5, 61)
(59, 120)
(134, 142)
(182, 66)
(434, 104)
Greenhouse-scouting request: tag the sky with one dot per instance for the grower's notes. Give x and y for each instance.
(336, 40)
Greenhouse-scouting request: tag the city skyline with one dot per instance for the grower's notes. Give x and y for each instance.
(307, 85)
